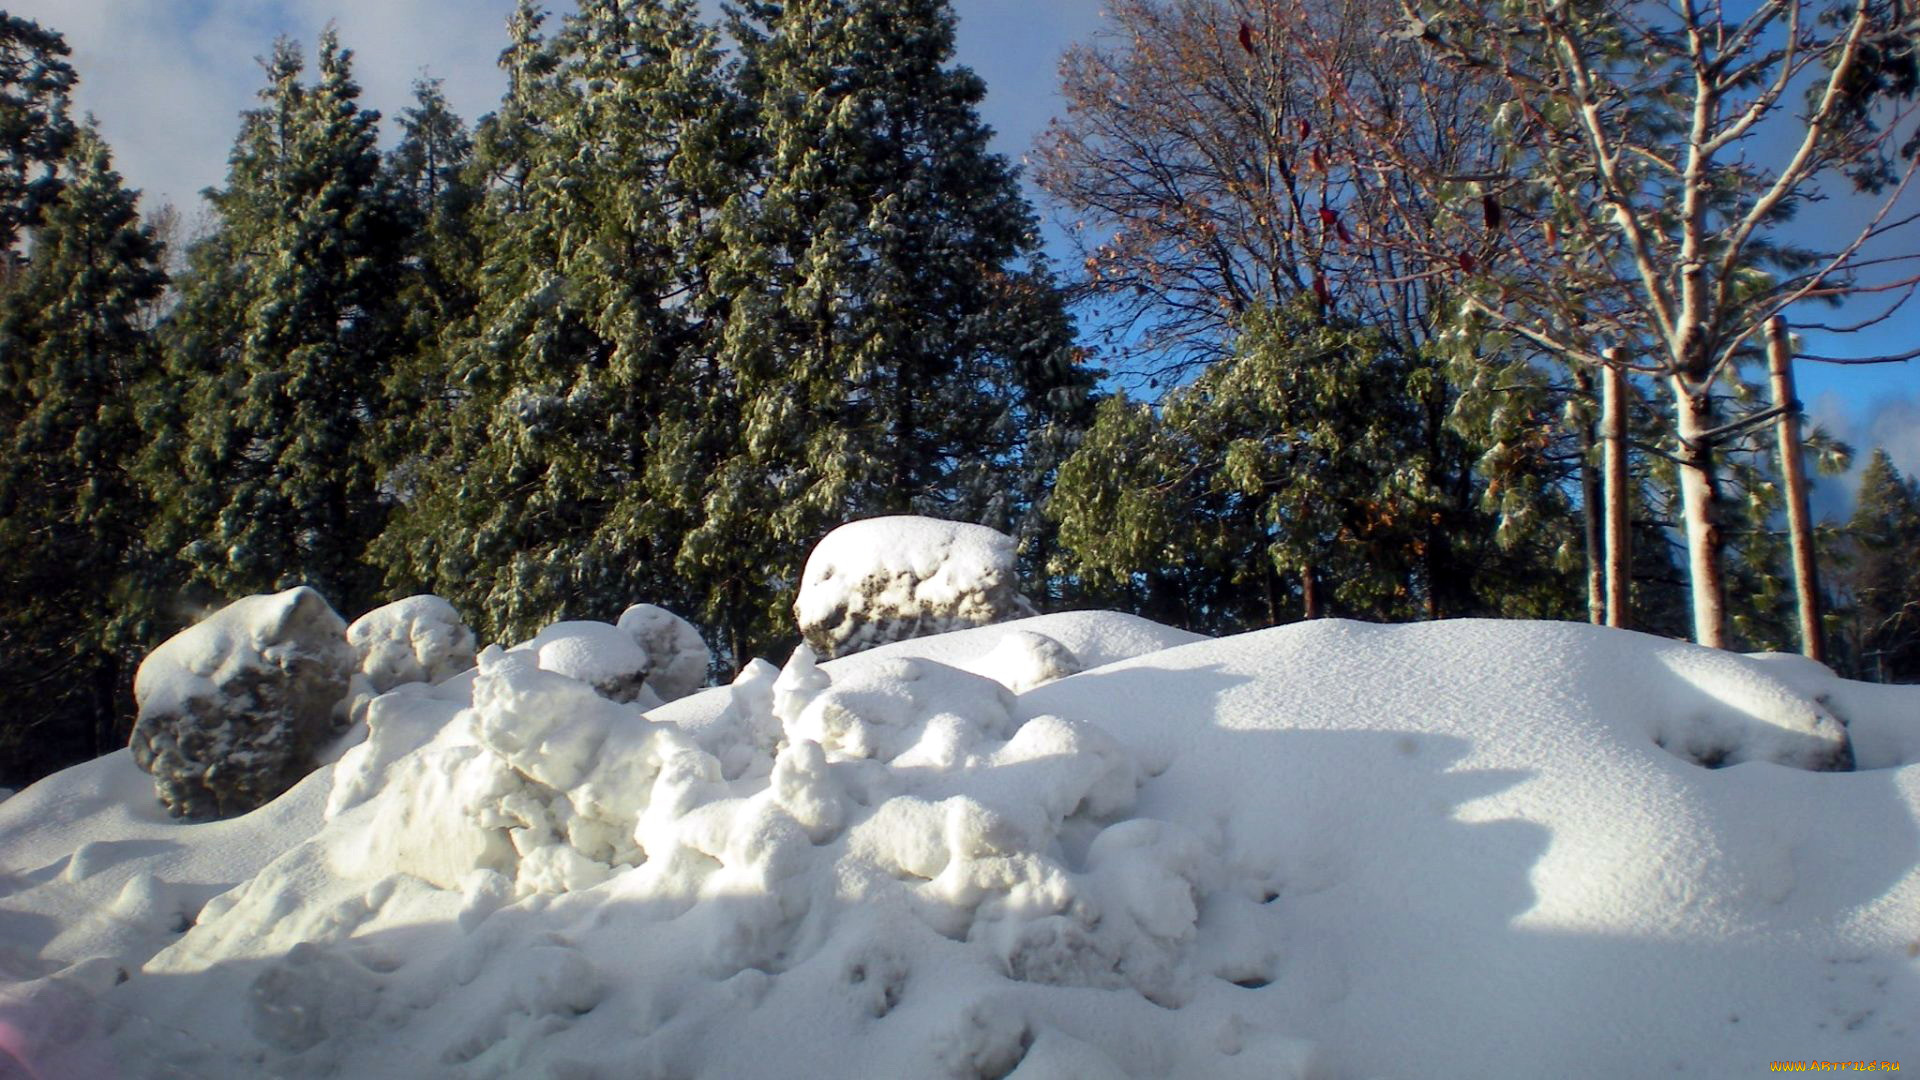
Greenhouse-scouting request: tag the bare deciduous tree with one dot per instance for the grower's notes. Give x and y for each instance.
(1646, 162)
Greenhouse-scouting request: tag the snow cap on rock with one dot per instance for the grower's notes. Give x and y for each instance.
(233, 709)
(677, 657)
(893, 578)
(418, 639)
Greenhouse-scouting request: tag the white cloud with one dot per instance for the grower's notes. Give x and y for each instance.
(1890, 422)
(168, 79)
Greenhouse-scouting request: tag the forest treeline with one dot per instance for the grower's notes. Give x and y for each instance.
(695, 294)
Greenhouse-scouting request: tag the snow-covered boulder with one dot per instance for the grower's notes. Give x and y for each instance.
(676, 657)
(893, 578)
(233, 709)
(419, 639)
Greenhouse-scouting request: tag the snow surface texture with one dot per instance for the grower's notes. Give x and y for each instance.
(1329, 850)
(894, 578)
(234, 708)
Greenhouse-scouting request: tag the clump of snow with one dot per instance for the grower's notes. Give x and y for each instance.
(652, 656)
(893, 578)
(602, 655)
(234, 709)
(418, 639)
(677, 658)
(1025, 659)
(1883, 722)
(1255, 857)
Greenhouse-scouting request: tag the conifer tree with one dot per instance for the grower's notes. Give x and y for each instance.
(77, 599)
(1290, 480)
(592, 321)
(432, 174)
(1882, 623)
(287, 319)
(898, 346)
(36, 130)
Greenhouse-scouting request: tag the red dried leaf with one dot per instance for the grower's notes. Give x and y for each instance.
(1345, 236)
(1490, 206)
(1468, 263)
(1328, 219)
(1306, 129)
(1246, 38)
(1319, 160)
(1320, 290)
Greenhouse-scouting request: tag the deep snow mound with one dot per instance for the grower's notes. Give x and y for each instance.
(894, 578)
(1326, 850)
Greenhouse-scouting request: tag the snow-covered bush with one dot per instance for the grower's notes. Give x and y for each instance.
(892, 578)
(419, 639)
(233, 709)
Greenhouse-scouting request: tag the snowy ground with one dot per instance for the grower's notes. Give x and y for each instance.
(1327, 850)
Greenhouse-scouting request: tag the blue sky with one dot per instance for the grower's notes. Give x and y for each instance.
(168, 78)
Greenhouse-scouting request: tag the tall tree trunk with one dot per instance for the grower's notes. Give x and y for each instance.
(1270, 583)
(1699, 502)
(1619, 492)
(1793, 471)
(1591, 511)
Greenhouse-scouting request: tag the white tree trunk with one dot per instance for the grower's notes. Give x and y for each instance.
(1693, 414)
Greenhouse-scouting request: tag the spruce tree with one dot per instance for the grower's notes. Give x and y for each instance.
(433, 175)
(77, 595)
(287, 320)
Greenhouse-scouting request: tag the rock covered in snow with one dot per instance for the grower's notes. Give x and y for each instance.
(418, 639)
(676, 657)
(893, 578)
(234, 708)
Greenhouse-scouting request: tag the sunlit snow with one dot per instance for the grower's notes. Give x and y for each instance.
(1078, 845)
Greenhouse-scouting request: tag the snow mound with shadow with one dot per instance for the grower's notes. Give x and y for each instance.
(1066, 846)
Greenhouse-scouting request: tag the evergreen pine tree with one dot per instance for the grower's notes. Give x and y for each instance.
(898, 347)
(288, 317)
(77, 600)
(1289, 480)
(35, 128)
(593, 319)
(432, 173)
(1882, 624)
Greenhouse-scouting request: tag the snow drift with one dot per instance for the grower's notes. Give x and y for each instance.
(1326, 850)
